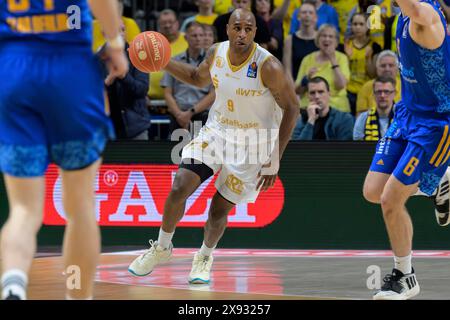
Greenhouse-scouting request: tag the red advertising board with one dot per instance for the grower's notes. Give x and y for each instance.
(134, 195)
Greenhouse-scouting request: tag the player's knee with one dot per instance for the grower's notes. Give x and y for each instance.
(78, 209)
(180, 191)
(371, 194)
(389, 204)
(25, 218)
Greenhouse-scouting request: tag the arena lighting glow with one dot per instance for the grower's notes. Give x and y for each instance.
(134, 195)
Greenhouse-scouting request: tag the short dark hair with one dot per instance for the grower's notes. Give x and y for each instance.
(365, 16)
(253, 6)
(385, 79)
(319, 80)
(168, 11)
(193, 24)
(212, 28)
(310, 2)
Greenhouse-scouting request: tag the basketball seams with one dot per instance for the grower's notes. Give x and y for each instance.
(136, 57)
(149, 50)
(151, 65)
(163, 41)
(163, 51)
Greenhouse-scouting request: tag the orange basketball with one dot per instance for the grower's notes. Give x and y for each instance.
(149, 51)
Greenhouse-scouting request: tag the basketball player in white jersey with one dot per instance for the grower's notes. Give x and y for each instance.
(252, 93)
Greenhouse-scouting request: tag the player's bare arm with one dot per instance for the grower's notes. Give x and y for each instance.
(107, 13)
(196, 76)
(426, 27)
(283, 90)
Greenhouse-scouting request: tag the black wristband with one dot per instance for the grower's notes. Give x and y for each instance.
(192, 110)
(335, 66)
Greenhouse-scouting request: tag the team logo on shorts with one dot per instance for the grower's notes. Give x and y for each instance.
(252, 70)
(234, 184)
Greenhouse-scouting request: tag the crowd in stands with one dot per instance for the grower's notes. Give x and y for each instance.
(341, 54)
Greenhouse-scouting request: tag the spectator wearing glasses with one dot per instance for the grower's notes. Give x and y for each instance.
(185, 102)
(371, 125)
(387, 66)
(169, 26)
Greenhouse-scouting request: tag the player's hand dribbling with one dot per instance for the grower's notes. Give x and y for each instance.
(117, 65)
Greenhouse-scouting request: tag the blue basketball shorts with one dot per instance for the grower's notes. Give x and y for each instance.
(414, 149)
(51, 108)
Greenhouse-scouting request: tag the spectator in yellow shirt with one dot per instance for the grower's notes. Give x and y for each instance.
(360, 50)
(386, 66)
(379, 11)
(328, 64)
(131, 30)
(205, 14)
(343, 8)
(223, 6)
(169, 26)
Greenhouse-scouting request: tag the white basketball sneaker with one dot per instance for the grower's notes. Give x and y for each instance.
(201, 269)
(398, 286)
(144, 264)
(442, 201)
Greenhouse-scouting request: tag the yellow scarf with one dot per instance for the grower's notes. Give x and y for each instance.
(372, 128)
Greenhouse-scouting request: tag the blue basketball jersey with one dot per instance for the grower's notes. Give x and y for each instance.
(425, 73)
(60, 21)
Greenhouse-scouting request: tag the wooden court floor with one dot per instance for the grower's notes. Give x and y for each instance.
(246, 274)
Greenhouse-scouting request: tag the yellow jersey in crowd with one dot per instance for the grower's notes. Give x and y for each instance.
(287, 18)
(178, 46)
(222, 6)
(343, 8)
(131, 31)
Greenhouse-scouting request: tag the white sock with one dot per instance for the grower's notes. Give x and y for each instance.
(68, 297)
(14, 282)
(205, 251)
(403, 264)
(164, 239)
